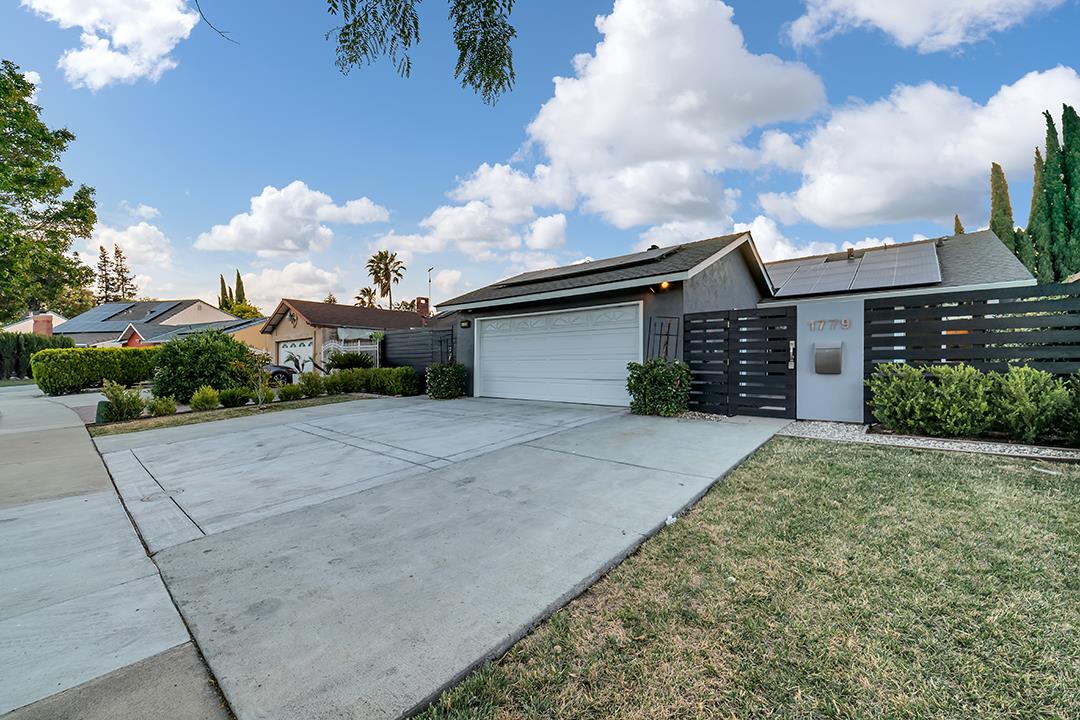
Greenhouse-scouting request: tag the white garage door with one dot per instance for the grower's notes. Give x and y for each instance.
(568, 356)
(296, 354)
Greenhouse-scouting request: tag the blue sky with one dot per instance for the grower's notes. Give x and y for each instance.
(815, 123)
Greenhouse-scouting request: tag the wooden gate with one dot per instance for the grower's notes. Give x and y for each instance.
(742, 361)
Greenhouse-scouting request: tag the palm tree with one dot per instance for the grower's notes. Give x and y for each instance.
(386, 271)
(367, 298)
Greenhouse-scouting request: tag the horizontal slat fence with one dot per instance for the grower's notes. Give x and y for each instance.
(740, 361)
(1037, 326)
(417, 348)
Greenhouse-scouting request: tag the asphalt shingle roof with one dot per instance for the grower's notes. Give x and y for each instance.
(114, 317)
(334, 315)
(665, 261)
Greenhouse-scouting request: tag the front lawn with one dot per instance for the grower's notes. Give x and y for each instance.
(824, 580)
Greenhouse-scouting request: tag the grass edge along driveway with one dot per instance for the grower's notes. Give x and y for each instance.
(823, 580)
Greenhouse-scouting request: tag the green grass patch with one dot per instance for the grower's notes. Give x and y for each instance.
(194, 418)
(12, 383)
(823, 580)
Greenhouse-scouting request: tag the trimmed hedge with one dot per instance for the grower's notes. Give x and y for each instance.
(445, 381)
(16, 349)
(657, 387)
(1025, 404)
(62, 371)
(393, 381)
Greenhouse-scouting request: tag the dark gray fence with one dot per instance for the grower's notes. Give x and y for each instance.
(417, 348)
(1038, 326)
(742, 362)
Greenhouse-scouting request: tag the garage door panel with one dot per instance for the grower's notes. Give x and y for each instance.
(570, 356)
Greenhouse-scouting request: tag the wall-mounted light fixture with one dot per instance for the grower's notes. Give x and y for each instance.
(665, 285)
(292, 318)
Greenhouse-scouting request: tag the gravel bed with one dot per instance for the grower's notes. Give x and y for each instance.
(850, 432)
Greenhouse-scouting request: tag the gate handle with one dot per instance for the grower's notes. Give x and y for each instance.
(791, 355)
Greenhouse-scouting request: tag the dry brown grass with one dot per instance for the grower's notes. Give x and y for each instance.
(867, 583)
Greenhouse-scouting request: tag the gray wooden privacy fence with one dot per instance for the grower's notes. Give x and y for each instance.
(1037, 325)
(742, 362)
(417, 348)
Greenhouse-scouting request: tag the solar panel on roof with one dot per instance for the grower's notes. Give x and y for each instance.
(898, 266)
(781, 272)
(589, 267)
(825, 277)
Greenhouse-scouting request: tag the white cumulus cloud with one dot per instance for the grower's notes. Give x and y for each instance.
(146, 247)
(928, 25)
(121, 40)
(445, 283)
(546, 233)
(299, 280)
(922, 153)
(288, 222)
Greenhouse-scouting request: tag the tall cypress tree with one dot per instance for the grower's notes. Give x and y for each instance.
(123, 280)
(1025, 250)
(1070, 132)
(240, 296)
(223, 295)
(1038, 229)
(957, 226)
(1001, 213)
(105, 289)
(1054, 198)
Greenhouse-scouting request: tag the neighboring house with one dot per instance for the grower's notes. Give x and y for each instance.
(106, 322)
(566, 334)
(246, 331)
(305, 332)
(39, 323)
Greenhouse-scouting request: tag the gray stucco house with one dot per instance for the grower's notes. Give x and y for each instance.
(567, 333)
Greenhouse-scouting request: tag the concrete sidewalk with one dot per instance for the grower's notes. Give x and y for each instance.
(79, 599)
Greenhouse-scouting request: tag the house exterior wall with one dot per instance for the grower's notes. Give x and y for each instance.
(830, 397)
(26, 325)
(725, 285)
(254, 339)
(655, 303)
(199, 312)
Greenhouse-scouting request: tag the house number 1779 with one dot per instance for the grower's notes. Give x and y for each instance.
(831, 324)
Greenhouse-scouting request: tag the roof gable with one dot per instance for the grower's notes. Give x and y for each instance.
(322, 314)
(114, 317)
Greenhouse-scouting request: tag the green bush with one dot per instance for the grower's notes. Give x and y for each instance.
(210, 357)
(234, 397)
(657, 387)
(205, 398)
(1028, 403)
(121, 403)
(16, 349)
(332, 383)
(445, 381)
(290, 392)
(61, 371)
(958, 402)
(348, 361)
(393, 381)
(160, 406)
(354, 380)
(311, 383)
(900, 397)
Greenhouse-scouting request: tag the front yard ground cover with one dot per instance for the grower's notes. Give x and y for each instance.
(822, 580)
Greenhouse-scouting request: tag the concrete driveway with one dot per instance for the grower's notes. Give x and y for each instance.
(352, 560)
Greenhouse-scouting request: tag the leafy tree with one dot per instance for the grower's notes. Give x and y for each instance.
(374, 29)
(223, 295)
(38, 225)
(367, 297)
(1025, 250)
(386, 271)
(244, 310)
(1053, 192)
(1070, 132)
(105, 279)
(1038, 229)
(958, 227)
(330, 298)
(73, 301)
(240, 297)
(1001, 213)
(123, 281)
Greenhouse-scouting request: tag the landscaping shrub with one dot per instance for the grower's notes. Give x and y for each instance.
(393, 381)
(234, 397)
(16, 349)
(958, 401)
(354, 380)
(900, 397)
(332, 383)
(1027, 403)
(290, 392)
(205, 398)
(160, 406)
(311, 383)
(210, 357)
(121, 403)
(347, 361)
(61, 371)
(657, 387)
(445, 381)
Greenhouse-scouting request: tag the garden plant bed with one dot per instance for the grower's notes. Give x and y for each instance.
(192, 418)
(851, 432)
(823, 580)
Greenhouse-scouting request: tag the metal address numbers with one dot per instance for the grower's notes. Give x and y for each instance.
(830, 324)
